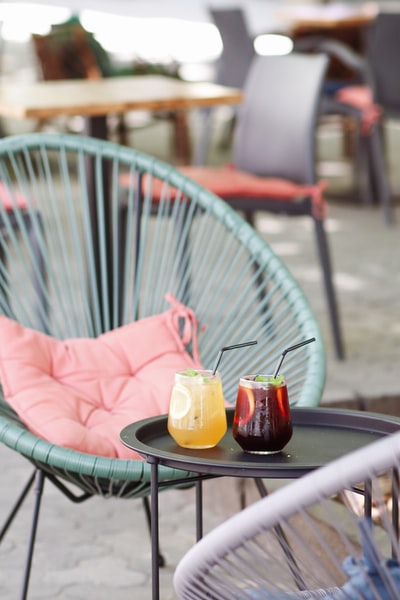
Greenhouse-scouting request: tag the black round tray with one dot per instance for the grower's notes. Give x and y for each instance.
(320, 435)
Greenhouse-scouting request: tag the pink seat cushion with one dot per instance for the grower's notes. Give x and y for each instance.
(79, 393)
(229, 182)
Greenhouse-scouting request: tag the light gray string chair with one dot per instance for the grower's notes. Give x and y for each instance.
(105, 256)
(331, 534)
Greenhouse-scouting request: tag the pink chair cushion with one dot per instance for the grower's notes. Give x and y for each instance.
(228, 182)
(10, 200)
(80, 393)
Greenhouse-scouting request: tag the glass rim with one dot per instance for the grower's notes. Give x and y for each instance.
(251, 382)
(202, 373)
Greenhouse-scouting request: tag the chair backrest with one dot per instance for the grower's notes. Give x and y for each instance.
(276, 127)
(65, 57)
(60, 269)
(309, 535)
(355, 64)
(383, 50)
(66, 52)
(238, 49)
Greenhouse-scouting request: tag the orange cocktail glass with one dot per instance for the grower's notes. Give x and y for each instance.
(197, 415)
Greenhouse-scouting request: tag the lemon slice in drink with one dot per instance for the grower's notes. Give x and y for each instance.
(180, 402)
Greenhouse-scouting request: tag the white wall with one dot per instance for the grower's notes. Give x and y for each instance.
(260, 13)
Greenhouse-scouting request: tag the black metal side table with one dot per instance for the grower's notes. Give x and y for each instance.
(320, 435)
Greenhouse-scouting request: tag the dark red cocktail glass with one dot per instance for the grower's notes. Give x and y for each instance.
(262, 421)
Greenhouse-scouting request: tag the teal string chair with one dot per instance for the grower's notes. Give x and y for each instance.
(104, 256)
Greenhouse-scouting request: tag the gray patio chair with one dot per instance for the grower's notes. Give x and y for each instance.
(238, 50)
(103, 257)
(231, 69)
(331, 534)
(358, 102)
(383, 43)
(274, 154)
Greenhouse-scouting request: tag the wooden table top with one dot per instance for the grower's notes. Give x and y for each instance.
(48, 99)
(328, 15)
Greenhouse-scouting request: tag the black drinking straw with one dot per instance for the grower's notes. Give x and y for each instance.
(278, 366)
(225, 348)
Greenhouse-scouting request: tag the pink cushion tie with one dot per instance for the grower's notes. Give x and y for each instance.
(360, 96)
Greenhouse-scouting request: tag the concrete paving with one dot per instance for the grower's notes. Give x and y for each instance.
(366, 259)
(101, 549)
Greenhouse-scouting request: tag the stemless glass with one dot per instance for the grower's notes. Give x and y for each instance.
(262, 421)
(197, 416)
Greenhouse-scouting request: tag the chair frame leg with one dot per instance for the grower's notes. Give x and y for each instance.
(378, 173)
(373, 173)
(362, 174)
(17, 505)
(329, 288)
(283, 541)
(39, 480)
(326, 265)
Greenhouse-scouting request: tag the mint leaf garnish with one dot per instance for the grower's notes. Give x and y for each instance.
(190, 373)
(275, 381)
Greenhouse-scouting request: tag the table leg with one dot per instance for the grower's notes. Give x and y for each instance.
(96, 126)
(200, 151)
(199, 510)
(155, 575)
(181, 137)
(367, 499)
